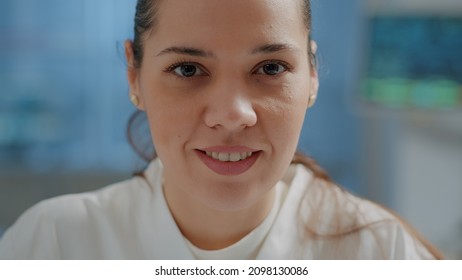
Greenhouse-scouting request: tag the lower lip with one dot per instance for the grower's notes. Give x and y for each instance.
(228, 168)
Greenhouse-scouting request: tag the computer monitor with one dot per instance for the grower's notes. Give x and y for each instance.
(413, 60)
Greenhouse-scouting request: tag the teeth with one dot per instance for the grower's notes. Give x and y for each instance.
(223, 156)
(233, 157)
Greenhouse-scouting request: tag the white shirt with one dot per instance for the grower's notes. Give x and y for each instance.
(249, 246)
(131, 220)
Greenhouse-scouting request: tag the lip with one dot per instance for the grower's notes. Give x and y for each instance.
(228, 168)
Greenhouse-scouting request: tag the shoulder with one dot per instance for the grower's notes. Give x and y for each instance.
(347, 226)
(77, 207)
(41, 231)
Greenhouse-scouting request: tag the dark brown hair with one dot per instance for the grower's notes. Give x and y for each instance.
(140, 140)
(146, 15)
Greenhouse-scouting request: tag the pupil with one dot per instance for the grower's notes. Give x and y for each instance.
(188, 70)
(271, 69)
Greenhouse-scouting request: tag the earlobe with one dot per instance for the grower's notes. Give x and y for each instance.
(132, 75)
(313, 46)
(314, 81)
(314, 85)
(311, 100)
(134, 99)
(313, 94)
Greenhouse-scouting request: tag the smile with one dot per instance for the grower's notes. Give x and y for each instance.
(228, 163)
(229, 156)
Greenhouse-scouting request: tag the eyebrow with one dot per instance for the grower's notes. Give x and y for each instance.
(271, 48)
(268, 48)
(186, 51)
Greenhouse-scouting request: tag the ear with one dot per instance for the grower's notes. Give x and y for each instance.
(314, 80)
(133, 75)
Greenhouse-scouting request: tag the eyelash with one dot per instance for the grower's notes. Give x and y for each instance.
(287, 67)
(171, 68)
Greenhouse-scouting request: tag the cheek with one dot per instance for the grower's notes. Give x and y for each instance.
(288, 104)
(171, 119)
(168, 125)
(285, 115)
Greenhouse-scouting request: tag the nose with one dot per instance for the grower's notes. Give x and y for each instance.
(230, 107)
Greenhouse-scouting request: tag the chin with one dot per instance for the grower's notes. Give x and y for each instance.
(230, 197)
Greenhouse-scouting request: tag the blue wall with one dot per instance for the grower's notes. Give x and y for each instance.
(332, 129)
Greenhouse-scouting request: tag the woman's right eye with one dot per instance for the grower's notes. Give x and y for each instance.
(186, 70)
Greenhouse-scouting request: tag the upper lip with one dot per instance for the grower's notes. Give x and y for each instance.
(229, 149)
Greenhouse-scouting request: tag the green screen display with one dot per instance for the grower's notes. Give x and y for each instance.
(414, 62)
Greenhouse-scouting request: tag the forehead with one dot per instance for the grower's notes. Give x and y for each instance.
(230, 22)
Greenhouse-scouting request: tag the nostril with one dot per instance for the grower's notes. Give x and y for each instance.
(230, 111)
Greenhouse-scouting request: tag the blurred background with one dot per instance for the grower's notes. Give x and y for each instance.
(387, 124)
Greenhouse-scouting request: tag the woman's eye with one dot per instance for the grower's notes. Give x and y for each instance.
(187, 70)
(271, 69)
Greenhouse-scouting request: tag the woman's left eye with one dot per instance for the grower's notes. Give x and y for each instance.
(271, 69)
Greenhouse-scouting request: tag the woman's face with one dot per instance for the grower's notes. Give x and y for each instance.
(225, 85)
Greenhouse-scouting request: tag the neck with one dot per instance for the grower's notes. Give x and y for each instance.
(213, 229)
